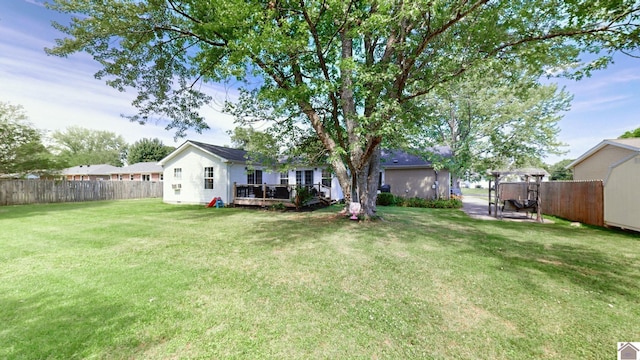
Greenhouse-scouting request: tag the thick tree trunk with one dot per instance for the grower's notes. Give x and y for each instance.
(367, 180)
(372, 183)
(344, 179)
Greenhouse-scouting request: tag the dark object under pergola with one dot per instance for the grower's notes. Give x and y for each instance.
(532, 177)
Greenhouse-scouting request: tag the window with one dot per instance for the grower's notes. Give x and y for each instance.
(326, 177)
(177, 173)
(254, 177)
(304, 177)
(208, 177)
(146, 177)
(284, 178)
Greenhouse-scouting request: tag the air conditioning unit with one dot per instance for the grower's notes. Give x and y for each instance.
(176, 186)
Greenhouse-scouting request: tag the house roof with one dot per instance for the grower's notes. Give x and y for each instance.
(230, 154)
(632, 144)
(139, 168)
(99, 169)
(391, 159)
(224, 152)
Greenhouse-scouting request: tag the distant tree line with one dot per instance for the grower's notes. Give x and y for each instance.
(24, 149)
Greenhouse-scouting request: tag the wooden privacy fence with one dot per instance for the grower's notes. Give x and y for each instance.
(21, 192)
(581, 201)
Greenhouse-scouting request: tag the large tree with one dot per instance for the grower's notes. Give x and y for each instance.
(21, 148)
(491, 123)
(350, 70)
(81, 146)
(147, 150)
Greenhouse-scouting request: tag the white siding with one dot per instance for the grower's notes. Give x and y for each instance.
(192, 161)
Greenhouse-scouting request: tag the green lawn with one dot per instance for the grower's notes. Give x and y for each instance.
(146, 280)
(475, 192)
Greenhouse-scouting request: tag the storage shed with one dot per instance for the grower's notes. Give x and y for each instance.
(622, 194)
(617, 163)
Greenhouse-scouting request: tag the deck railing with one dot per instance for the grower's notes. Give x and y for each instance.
(272, 193)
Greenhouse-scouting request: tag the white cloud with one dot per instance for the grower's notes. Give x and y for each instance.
(601, 103)
(34, 2)
(61, 92)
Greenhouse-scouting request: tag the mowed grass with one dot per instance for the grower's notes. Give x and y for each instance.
(146, 280)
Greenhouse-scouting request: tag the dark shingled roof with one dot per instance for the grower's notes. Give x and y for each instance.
(224, 152)
(399, 158)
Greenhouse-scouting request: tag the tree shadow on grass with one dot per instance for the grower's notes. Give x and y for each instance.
(49, 326)
(21, 211)
(146, 207)
(558, 251)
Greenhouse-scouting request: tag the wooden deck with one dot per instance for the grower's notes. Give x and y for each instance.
(266, 195)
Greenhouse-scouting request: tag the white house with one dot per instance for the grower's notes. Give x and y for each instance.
(196, 173)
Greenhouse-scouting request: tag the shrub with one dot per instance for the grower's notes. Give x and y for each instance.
(385, 199)
(277, 207)
(417, 202)
(303, 195)
(454, 203)
(445, 204)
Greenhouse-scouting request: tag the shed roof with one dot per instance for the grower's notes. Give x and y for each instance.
(632, 144)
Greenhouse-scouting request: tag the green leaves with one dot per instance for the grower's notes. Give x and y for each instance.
(147, 150)
(492, 123)
(80, 146)
(631, 134)
(21, 148)
(355, 73)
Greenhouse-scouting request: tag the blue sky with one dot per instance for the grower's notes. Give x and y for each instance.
(61, 92)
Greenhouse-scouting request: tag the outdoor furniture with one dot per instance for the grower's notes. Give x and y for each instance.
(528, 206)
(281, 193)
(531, 179)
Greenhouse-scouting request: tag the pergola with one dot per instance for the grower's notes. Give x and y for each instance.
(532, 177)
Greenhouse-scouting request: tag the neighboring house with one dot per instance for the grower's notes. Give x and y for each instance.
(617, 163)
(89, 172)
(142, 171)
(196, 172)
(409, 175)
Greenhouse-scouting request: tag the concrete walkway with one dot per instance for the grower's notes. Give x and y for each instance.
(477, 207)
